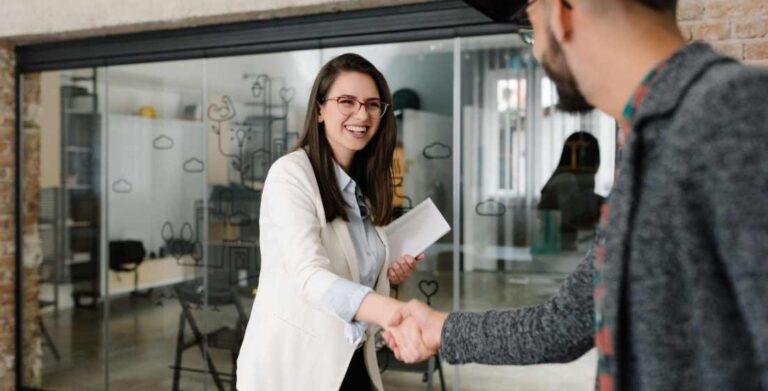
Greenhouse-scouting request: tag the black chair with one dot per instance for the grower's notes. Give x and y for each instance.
(127, 256)
(225, 338)
(388, 361)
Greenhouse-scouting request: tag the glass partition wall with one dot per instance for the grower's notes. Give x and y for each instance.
(146, 203)
(533, 180)
(155, 149)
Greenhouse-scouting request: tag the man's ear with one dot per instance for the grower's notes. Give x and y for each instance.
(561, 20)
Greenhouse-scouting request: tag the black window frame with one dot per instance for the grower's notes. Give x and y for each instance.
(424, 21)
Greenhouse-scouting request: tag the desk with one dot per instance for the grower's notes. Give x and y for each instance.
(153, 273)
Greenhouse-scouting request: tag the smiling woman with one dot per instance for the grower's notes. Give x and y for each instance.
(362, 142)
(349, 106)
(348, 128)
(324, 253)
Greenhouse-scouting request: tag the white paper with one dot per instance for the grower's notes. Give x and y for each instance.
(416, 230)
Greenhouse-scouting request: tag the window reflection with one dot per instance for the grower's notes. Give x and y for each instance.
(528, 208)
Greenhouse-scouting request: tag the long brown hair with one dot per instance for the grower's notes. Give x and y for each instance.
(372, 166)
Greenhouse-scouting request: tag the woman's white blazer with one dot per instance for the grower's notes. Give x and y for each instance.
(292, 341)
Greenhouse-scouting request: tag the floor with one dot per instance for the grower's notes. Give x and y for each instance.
(142, 336)
(575, 376)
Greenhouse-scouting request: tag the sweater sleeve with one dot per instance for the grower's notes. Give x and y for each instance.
(559, 330)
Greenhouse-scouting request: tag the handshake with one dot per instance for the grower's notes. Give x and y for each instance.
(414, 330)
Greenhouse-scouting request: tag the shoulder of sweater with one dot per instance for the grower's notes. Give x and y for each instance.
(728, 97)
(722, 115)
(725, 86)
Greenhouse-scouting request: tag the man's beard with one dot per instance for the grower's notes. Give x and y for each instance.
(571, 100)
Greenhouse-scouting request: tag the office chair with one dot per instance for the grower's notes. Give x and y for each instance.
(127, 256)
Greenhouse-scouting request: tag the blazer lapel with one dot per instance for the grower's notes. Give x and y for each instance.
(342, 232)
(382, 284)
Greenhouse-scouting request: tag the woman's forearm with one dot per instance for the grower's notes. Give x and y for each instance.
(378, 309)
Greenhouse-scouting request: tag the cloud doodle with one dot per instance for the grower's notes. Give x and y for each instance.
(194, 166)
(490, 208)
(437, 151)
(162, 142)
(122, 186)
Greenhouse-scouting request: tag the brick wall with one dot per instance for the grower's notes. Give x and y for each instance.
(32, 341)
(7, 233)
(32, 249)
(737, 28)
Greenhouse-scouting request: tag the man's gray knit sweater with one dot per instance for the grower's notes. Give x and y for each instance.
(686, 249)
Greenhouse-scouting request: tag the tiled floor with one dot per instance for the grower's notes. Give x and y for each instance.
(142, 337)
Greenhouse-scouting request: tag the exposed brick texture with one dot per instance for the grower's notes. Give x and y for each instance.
(32, 249)
(32, 340)
(736, 28)
(7, 251)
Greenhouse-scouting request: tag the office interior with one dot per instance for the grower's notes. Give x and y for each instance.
(150, 183)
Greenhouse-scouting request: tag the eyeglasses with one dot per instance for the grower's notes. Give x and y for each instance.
(349, 105)
(526, 35)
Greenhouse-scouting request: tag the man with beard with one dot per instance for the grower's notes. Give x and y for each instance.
(673, 293)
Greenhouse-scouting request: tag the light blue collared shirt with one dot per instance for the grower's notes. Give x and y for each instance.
(344, 297)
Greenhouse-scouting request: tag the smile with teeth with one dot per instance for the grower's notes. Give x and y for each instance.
(356, 129)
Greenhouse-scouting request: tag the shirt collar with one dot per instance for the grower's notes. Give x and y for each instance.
(346, 183)
(637, 96)
(669, 80)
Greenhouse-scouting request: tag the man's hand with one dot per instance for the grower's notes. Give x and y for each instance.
(402, 268)
(400, 334)
(406, 342)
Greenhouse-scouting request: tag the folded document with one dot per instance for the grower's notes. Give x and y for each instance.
(413, 232)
